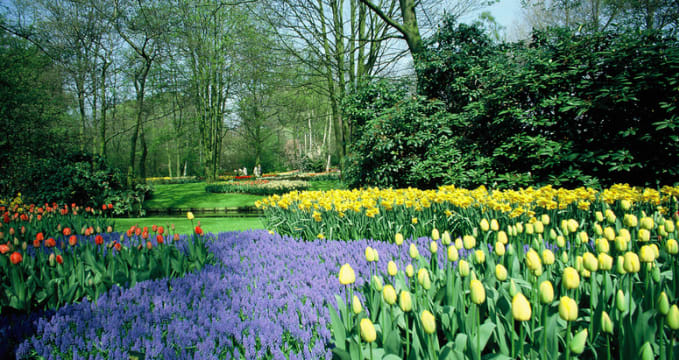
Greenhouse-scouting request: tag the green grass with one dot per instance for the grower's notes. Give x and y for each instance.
(327, 185)
(183, 226)
(193, 196)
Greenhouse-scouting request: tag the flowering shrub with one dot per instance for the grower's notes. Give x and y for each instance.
(266, 298)
(258, 187)
(379, 213)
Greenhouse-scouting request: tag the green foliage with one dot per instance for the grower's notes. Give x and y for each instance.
(567, 109)
(399, 138)
(258, 187)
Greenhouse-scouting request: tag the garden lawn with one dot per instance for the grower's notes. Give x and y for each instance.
(193, 196)
(184, 226)
(266, 298)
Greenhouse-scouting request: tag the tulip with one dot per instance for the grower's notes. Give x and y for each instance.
(605, 261)
(669, 226)
(568, 309)
(583, 237)
(644, 235)
(630, 220)
(571, 278)
(513, 290)
(572, 225)
(433, 247)
(609, 233)
(672, 246)
(356, 305)
(398, 239)
(392, 269)
(458, 243)
(647, 352)
(484, 225)
(599, 216)
(428, 322)
(500, 272)
(405, 301)
(369, 254)
(610, 216)
(346, 275)
(625, 204)
(631, 262)
(494, 225)
(539, 227)
(15, 258)
(620, 265)
(410, 271)
(59, 259)
(646, 254)
(413, 251)
(578, 342)
(521, 310)
(590, 262)
(646, 223)
(519, 228)
(544, 219)
(478, 293)
(435, 234)
(533, 260)
(602, 245)
(463, 267)
(389, 294)
(620, 302)
(552, 234)
(423, 278)
(414, 221)
(529, 229)
(453, 254)
(189, 215)
(673, 317)
(606, 323)
(469, 241)
(548, 257)
(479, 256)
(377, 282)
(625, 234)
(51, 259)
(561, 241)
(368, 333)
(546, 292)
(564, 257)
(663, 304)
(445, 238)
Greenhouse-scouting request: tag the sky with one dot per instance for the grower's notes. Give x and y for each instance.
(507, 12)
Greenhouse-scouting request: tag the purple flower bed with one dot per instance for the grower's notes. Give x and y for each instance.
(265, 298)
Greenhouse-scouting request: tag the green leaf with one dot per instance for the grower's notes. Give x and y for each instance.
(337, 327)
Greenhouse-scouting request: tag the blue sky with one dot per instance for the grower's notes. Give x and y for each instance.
(507, 12)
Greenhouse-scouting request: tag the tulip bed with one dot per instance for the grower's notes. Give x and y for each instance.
(258, 187)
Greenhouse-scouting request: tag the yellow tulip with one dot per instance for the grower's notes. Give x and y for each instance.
(572, 225)
(499, 249)
(625, 234)
(433, 247)
(423, 278)
(478, 293)
(189, 215)
(598, 230)
(545, 219)
(631, 262)
(463, 267)
(392, 269)
(479, 256)
(606, 323)
(538, 227)
(521, 310)
(578, 263)
(561, 241)
(389, 294)
(599, 216)
(519, 228)
(602, 245)
(672, 246)
(435, 234)
(625, 204)
(646, 223)
(368, 333)
(445, 239)
(453, 253)
(644, 235)
(583, 237)
(609, 233)
(513, 290)
(552, 234)
(494, 225)
(610, 216)
(546, 292)
(405, 301)
(630, 220)
(533, 260)
(369, 254)
(620, 302)
(377, 282)
(568, 308)
(458, 243)
(398, 239)
(548, 257)
(500, 272)
(428, 322)
(578, 342)
(669, 226)
(620, 265)
(571, 278)
(469, 241)
(346, 275)
(646, 254)
(529, 229)
(620, 243)
(410, 271)
(413, 220)
(590, 262)
(413, 251)
(483, 224)
(502, 237)
(605, 261)
(564, 257)
(356, 305)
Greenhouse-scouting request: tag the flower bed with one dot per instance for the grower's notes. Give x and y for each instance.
(266, 298)
(173, 180)
(380, 213)
(258, 187)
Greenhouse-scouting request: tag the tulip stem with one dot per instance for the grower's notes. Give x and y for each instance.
(544, 330)
(521, 331)
(568, 340)
(629, 289)
(591, 310)
(608, 347)
(662, 336)
(478, 332)
(370, 346)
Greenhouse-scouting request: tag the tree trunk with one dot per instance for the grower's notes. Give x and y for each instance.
(144, 154)
(80, 87)
(140, 84)
(104, 107)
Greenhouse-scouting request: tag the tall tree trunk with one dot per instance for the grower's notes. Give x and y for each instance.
(80, 88)
(104, 108)
(140, 84)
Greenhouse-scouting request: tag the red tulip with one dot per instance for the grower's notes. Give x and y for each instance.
(39, 217)
(98, 240)
(176, 237)
(60, 259)
(199, 231)
(5, 219)
(146, 229)
(145, 235)
(67, 231)
(4, 248)
(36, 243)
(154, 228)
(137, 231)
(110, 206)
(72, 240)
(39, 236)
(103, 207)
(159, 239)
(161, 230)
(117, 246)
(11, 231)
(149, 245)
(129, 233)
(50, 242)
(15, 258)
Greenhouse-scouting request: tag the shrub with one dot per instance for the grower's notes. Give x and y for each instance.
(258, 187)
